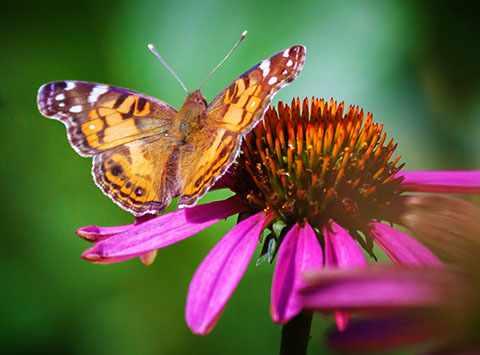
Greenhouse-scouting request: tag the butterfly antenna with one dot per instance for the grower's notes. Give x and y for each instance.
(224, 59)
(154, 51)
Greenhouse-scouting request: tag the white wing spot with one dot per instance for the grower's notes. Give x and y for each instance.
(92, 127)
(60, 97)
(286, 52)
(265, 66)
(76, 109)
(70, 85)
(61, 104)
(289, 63)
(272, 80)
(284, 72)
(96, 92)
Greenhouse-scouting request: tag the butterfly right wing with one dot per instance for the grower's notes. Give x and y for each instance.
(243, 103)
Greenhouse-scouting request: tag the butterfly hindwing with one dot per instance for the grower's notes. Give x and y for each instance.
(140, 176)
(206, 160)
(99, 117)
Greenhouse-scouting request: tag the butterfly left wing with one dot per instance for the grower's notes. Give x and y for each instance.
(243, 103)
(233, 113)
(134, 159)
(99, 117)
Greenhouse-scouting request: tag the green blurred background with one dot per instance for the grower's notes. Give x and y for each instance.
(415, 65)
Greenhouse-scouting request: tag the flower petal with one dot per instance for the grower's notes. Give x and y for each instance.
(161, 231)
(299, 251)
(341, 251)
(400, 247)
(458, 182)
(219, 273)
(377, 288)
(94, 234)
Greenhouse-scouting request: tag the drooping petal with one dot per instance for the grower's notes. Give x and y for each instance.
(400, 247)
(299, 251)
(377, 288)
(219, 273)
(341, 251)
(161, 231)
(457, 182)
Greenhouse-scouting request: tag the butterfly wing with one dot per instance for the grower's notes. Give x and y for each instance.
(140, 176)
(243, 103)
(99, 117)
(233, 113)
(125, 131)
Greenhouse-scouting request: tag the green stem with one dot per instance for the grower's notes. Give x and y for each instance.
(296, 334)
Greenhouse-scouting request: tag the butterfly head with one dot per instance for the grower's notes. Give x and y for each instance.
(196, 101)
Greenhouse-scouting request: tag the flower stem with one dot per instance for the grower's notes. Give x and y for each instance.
(296, 334)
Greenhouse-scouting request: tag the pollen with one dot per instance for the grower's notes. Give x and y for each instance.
(314, 161)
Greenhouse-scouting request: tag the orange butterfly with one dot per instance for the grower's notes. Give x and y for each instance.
(145, 152)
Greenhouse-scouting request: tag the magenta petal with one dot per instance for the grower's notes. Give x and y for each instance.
(219, 273)
(94, 234)
(376, 288)
(340, 249)
(161, 231)
(400, 247)
(298, 252)
(458, 182)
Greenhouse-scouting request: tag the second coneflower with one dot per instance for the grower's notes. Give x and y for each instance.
(315, 185)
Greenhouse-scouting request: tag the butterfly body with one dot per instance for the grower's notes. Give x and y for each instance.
(145, 152)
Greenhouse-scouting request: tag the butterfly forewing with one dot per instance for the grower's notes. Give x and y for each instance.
(99, 117)
(242, 104)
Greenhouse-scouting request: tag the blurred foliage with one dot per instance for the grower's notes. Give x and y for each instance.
(413, 64)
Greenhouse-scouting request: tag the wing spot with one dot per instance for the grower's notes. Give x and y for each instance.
(60, 97)
(61, 104)
(69, 85)
(139, 191)
(76, 109)
(286, 53)
(289, 63)
(116, 170)
(284, 72)
(96, 92)
(265, 66)
(272, 80)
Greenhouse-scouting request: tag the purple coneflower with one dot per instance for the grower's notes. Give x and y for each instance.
(315, 186)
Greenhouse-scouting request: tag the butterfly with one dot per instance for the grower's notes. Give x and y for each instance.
(145, 152)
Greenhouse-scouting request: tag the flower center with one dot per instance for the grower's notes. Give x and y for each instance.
(313, 162)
